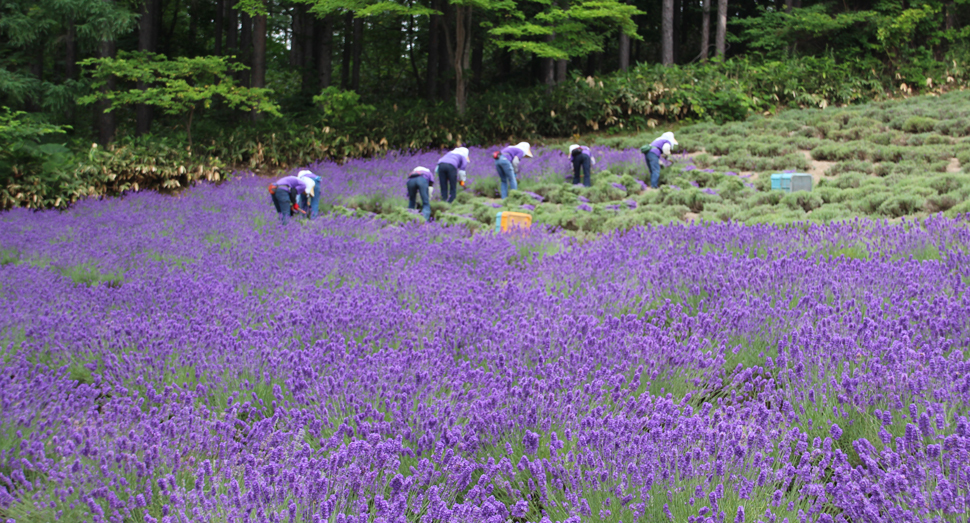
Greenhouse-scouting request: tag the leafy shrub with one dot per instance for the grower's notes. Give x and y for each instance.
(901, 205)
(830, 213)
(850, 166)
(918, 124)
(849, 180)
(804, 200)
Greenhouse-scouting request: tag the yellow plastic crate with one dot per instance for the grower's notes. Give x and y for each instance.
(506, 221)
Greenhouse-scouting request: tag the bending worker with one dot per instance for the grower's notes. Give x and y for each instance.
(451, 168)
(655, 153)
(581, 156)
(507, 165)
(421, 180)
(284, 193)
(312, 207)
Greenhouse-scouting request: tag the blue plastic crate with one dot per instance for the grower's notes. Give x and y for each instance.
(791, 182)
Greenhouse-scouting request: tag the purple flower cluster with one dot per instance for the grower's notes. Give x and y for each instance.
(349, 370)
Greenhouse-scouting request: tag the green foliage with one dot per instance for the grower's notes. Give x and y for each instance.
(34, 172)
(178, 87)
(575, 29)
(337, 105)
(919, 124)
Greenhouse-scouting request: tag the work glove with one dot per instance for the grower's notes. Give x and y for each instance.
(430, 192)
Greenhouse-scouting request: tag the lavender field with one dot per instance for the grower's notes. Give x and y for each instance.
(188, 360)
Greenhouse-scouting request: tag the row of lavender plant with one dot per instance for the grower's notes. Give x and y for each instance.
(385, 175)
(186, 359)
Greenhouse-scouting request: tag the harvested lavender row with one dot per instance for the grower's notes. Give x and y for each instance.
(385, 175)
(187, 359)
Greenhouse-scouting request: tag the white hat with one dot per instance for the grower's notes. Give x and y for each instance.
(309, 185)
(669, 137)
(461, 151)
(525, 147)
(304, 173)
(572, 148)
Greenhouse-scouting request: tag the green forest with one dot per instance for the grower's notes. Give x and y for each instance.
(102, 96)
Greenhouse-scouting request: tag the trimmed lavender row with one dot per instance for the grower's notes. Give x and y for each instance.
(189, 360)
(385, 175)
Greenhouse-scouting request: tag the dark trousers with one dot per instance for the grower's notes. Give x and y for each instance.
(448, 174)
(281, 200)
(419, 184)
(581, 160)
(653, 163)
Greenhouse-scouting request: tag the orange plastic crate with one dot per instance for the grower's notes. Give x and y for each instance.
(506, 221)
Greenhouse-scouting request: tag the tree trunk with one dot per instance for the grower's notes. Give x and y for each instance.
(246, 47)
(549, 68)
(624, 51)
(220, 10)
(677, 29)
(37, 69)
(232, 31)
(296, 40)
(193, 26)
(788, 5)
(147, 41)
(431, 80)
(169, 45)
(309, 64)
(561, 70)
(721, 26)
(358, 51)
(324, 35)
(348, 51)
(106, 121)
(459, 52)
(667, 33)
(259, 54)
(70, 51)
(705, 29)
(478, 56)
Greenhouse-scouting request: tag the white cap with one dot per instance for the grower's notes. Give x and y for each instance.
(461, 151)
(310, 184)
(572, 148)
(525, 147)
(669, 137)
(304, 173)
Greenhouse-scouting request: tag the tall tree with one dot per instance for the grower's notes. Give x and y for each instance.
(667, 32)
(147, 41)
(232, 29)
(705, 29)
(358, 51)
(323, 38)
(219, 26)
(259, 55)
(721, 27)
(431, 77)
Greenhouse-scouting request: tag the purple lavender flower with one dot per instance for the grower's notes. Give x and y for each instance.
(836, 431)
(584, 207)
